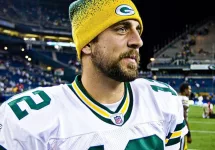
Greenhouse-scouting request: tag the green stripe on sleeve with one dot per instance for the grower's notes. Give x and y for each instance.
(168, 136)
(173, 141)
(177, 128)
(180, 126)
(2, 148)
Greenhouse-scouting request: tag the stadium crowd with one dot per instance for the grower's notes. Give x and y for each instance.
(18, 75)
(185, 49)
(41, 15)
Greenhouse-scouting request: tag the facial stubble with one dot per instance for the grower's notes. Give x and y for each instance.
(115, 68)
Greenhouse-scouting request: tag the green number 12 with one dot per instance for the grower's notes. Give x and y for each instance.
(21, 114)
(164, 89)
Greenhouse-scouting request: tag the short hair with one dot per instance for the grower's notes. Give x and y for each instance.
(183, 87)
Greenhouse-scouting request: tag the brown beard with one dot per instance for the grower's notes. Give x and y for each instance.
(114, 69)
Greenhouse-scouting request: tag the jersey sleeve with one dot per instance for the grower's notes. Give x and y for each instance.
(177, 127)
(14, 137)
(172, 112)
(185, 101)
(29, 119)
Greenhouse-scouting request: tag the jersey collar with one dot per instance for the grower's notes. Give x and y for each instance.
(118, 117)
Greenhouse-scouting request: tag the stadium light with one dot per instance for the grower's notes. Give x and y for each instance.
(29, 59)
(57, 47)
(72, 44)
(23, 49)
(49, 68)
(33, 39)
(26, 56)
(62, 44)
(154, 77)
(5, 48)
(29, 39)
(152, 59)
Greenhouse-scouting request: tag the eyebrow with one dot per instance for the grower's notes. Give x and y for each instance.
(126, 24)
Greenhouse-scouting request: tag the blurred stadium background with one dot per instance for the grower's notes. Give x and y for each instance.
(36, 49)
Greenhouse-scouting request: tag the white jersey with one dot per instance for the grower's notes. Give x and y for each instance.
(185, 103)
(66, 117)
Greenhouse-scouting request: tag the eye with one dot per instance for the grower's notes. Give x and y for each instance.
(139, 30)
(121, 30)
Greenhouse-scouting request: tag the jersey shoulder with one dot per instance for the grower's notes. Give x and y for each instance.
(160, 93)
(157, 87)
(183, 97)
(34, 109)
(184, 100)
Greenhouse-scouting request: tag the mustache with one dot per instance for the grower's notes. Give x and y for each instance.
(131, 54)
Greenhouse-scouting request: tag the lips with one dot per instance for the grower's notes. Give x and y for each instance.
(130, 59)
(133, 55)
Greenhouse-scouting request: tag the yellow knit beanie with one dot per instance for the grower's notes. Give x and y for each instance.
(91, 17)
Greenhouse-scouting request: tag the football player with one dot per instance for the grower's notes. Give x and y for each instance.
(185, 91)
(106, 107)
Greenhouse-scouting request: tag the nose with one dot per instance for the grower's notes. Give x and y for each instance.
(135, 40)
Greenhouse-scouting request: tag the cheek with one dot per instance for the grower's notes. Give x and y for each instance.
(118, 49)
(112, 47)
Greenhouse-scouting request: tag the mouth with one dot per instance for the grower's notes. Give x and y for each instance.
(132, 58)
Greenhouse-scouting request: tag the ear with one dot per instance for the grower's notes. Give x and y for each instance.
(86, 49)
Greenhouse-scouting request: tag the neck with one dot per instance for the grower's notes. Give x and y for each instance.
(102, 88)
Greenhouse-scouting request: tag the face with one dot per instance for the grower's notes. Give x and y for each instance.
(116, 53)
(188, 91)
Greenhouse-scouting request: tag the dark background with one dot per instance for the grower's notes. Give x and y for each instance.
(164, 19)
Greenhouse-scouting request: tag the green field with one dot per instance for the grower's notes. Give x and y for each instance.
(202, 130)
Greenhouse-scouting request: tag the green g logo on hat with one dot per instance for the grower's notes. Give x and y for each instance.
(124, 10)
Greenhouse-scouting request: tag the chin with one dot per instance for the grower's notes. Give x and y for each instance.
(125, 79)
(123, 72)
(132, 76)
(129, 75)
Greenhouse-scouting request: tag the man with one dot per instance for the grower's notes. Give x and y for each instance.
(105, 107)
(208, 110)
(185, 92)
